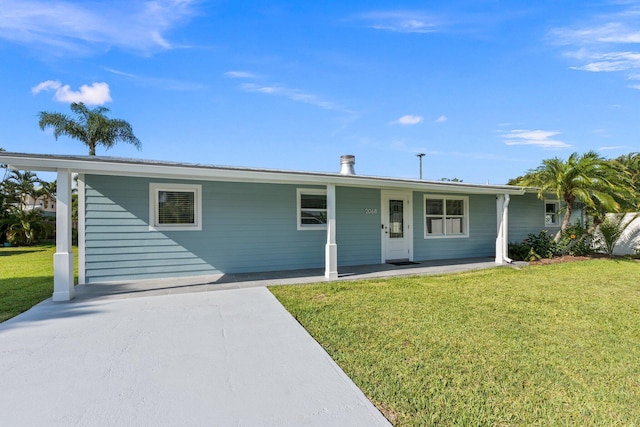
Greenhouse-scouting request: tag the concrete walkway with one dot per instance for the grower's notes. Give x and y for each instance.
(172, 352)
(228, 358)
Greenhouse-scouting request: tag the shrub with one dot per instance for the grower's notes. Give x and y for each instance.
(575, 241)
(534, 247)
(542, 245)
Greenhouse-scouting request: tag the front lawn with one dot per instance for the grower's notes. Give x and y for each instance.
(26, 277)
(544, 345)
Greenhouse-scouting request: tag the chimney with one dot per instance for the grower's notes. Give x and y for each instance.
(346, 164)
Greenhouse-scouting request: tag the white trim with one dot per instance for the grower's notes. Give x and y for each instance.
(82, 274)
(63, 286)
(502, 234)
(407, 197)
(558, 207)
(445, 197)
(97, 165)
(299, 193)
(331, 248)
(155, 187)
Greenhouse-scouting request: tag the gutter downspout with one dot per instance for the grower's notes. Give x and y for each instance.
(505, 231)
(502, 228)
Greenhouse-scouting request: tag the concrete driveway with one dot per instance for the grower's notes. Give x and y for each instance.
(225, 358)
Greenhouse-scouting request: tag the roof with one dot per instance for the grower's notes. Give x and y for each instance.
(102, 165)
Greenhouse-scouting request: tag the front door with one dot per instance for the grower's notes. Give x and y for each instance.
(396, 226)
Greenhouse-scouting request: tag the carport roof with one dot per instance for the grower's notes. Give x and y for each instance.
(102, 165)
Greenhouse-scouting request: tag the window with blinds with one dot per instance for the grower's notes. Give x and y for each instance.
(175, 206)
(446, 216)
(312, 209)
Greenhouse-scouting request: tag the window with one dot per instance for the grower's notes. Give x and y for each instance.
(446, 216)
(312, 209)
(551, 213)
(175, 207)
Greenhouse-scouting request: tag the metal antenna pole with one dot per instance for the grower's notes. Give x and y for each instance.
(420, 156)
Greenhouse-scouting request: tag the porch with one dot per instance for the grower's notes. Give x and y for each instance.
(168, 286)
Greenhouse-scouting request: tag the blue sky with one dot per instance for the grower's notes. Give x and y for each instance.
(487, 89)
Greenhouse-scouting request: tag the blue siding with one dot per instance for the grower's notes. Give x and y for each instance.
(358, 230)
(526, 215)
(246, 227)
(482, 232)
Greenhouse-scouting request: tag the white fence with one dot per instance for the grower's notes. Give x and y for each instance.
(630, 240)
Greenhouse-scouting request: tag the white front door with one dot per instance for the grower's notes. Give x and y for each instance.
(397, 220)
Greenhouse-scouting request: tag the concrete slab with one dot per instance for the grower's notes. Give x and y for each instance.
(167, 286)
(228, 358)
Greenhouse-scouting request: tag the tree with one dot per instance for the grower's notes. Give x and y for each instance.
(22, 186)
(601, 185)
(631, 163)
(93, 128)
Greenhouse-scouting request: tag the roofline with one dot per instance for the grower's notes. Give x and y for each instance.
(101, 165)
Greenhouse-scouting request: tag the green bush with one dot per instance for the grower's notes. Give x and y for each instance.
(575, 241)
(534, 247)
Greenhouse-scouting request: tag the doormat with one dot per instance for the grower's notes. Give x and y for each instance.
(398, 263)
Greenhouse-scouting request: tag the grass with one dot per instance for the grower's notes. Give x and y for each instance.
(544, 345)
(26, 277)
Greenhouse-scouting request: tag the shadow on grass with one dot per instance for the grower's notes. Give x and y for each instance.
(19, 294)
(21, 252)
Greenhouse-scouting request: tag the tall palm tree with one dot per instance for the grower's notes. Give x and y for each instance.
(92, 127)
(631, 163)
(599, 184)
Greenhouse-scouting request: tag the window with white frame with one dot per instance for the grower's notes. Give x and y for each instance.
(446, 216)
(551, 213)
(175, 207)
(312, 209)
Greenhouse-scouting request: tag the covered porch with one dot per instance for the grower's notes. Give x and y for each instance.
(170, 286)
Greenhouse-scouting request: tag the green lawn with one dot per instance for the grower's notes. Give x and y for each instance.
(26, 277)
(544, 345)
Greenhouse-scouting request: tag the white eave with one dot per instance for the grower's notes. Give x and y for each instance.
(99, 165)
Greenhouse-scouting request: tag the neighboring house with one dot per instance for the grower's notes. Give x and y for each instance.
(145, 219)
(46, 203)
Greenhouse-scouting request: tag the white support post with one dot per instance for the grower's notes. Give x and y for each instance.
(502, 238)
(81, 242)
(63, 289)
(331, 248)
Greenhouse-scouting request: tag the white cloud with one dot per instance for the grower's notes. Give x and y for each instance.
(240, 75)
(442, 119)
(540, 138)
(95, 94)
(603, 44)
(46, 85)
(408, 120)
(401, 21)
(292, 94)
(60, 27)
(612, 147)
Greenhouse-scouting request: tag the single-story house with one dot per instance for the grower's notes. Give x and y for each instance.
(142, 219)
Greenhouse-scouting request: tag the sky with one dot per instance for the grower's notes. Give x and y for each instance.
(486, 89)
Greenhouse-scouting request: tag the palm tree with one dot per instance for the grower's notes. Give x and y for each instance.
(599, 184)
(22, 186)
(631, 163)
(47, 191)
(93, 128)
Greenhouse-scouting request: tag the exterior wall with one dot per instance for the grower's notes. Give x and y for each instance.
(358, 226)
(482, 232)
(246, 227)
(526, 215)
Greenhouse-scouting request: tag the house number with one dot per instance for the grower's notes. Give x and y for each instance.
(371, 211)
